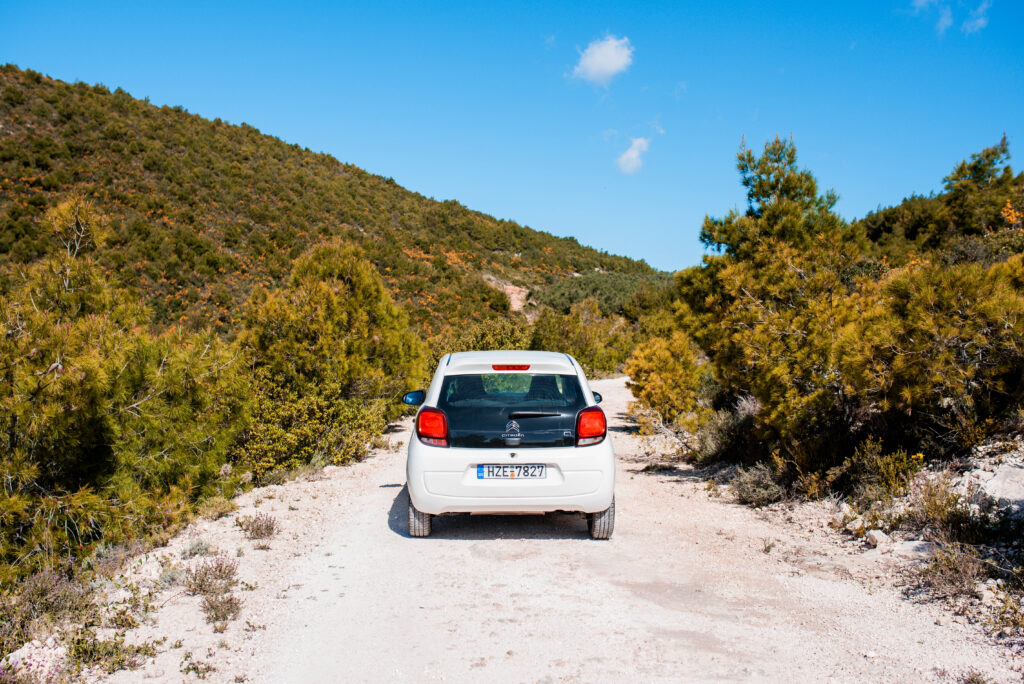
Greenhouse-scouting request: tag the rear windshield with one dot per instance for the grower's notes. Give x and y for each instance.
(510, 390)
(511, 409)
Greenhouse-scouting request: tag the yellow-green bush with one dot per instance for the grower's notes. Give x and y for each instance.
(330, 354)
(512, 331)
(110, 432)
(667, 376)
(874, 475)
(814, 347)
(601, 344)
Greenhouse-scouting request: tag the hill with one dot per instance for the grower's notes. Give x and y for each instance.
(963, 223)
(200, 212)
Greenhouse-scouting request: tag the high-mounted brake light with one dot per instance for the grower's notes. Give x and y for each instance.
(511, 366)
(432, 427)
(591, 426)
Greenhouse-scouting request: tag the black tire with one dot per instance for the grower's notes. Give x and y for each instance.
(419, 522)
(601, 525)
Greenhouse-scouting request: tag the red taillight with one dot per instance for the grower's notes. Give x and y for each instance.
(432, 427)
(591, 426)
(511, 366)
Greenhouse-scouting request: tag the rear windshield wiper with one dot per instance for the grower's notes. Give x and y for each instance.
(532, 414)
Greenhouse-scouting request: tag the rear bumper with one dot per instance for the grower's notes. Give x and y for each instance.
(445, 481)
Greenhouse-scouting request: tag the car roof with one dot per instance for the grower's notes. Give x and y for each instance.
(466, 363)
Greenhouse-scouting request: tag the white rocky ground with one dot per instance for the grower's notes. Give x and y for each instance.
(691, 587)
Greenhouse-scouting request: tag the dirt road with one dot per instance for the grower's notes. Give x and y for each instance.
(691, 587)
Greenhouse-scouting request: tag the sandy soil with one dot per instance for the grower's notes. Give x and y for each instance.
(517, 295)
(691, 587)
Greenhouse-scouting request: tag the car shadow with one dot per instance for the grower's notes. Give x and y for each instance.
(481, 527)
(627, 424)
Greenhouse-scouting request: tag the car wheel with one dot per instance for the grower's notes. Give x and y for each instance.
(601, 525)
(419, 522)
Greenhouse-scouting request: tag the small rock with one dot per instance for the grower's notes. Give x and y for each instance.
(941, 621)
(876, 538)
(916, 550)
(870, 654)
(855, 526)
(1007, 485)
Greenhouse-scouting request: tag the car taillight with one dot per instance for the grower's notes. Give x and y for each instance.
(591, 426)
(511, 366)
(432, 427)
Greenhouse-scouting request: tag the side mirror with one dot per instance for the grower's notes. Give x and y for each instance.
(414, 398)
(597, 397)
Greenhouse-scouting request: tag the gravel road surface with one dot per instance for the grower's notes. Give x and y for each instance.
(690, 588)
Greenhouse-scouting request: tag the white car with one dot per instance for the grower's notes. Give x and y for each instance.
(510, 432)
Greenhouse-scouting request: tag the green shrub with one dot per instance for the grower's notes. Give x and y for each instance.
(219, 609)
(936, 508)
(48, 596)
(330, 355)
(872, 475)
(832, 346)
(666, 375)
(216, 507)
(112, 433)
(507, 332)
(955, 570)
(616, 294)
(197, 547)
(600, 344)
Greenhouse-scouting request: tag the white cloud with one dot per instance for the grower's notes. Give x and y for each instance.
(978, 19)
(630, 161)
(604, 59)
(945, 20)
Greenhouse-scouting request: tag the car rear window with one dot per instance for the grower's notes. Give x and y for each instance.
(495, 410)
(512, 390)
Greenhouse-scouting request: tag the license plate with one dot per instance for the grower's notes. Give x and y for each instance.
(516, 471)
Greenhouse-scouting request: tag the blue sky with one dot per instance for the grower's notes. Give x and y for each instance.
(616, 123)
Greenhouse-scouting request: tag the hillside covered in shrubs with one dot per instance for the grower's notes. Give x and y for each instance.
(202, 212)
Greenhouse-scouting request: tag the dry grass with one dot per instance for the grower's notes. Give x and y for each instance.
(955, 570)
(214, 579)
(217, 575)
(197, 547)
(756, 486)
(259, 526)
(216, 507)
(220, 609)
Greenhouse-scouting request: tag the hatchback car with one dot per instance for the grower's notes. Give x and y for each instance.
(510, 432)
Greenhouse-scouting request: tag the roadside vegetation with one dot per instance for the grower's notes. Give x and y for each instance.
(118, 432)
(859, 359)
